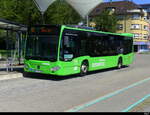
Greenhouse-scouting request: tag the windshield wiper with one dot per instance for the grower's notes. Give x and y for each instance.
(52, 59)
(34, 57)
(40, 58)
(37, 57)
(28, 57)
(48, 59)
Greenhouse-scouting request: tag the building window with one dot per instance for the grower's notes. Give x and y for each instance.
(120, 26)
(135, 16)
(135, 26)
(145, 17)
(97, 10)
(145, 37)
(110, 8)
(137, 36)
(120, 17)
(145, 27)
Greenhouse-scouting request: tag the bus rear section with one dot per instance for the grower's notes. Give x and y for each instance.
(85, 50)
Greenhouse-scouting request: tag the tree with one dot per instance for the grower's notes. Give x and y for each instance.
(26, 12)
(106, 21)
(21, 11)
(60, 12)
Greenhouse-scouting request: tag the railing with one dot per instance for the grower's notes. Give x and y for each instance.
(8, 63)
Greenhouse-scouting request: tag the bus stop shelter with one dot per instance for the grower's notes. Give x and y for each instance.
(13, 32)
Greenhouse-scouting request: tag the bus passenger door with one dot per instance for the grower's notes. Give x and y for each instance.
(70, 51)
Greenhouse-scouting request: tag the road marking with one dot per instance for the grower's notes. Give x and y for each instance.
(90, 103)
(135, 104)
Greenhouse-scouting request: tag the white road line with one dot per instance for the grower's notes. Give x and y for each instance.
(90, 103)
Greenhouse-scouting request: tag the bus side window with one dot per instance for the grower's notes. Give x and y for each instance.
(119, 45)
(82, 44)
(128, 43)
(95, 45)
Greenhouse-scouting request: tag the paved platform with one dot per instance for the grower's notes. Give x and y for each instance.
(142, 107)
(10, 75)
(16, 73)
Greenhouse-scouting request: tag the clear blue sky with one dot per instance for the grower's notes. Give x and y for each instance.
(136, 1)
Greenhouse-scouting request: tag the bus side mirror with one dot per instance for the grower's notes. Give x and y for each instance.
(68, 57)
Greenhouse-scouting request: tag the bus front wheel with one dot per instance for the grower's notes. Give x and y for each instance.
(84, 68)
(120, 64)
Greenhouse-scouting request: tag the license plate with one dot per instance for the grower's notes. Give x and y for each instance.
(33, 70)
(37, 71)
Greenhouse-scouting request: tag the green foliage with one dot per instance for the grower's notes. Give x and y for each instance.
(22, 11)
(106, 22)
(61, 12)
(2, 35)
(26, 12)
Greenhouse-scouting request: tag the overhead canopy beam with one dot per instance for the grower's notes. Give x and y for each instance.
(8, 25)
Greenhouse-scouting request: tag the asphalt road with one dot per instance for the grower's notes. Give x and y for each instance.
(109, 90)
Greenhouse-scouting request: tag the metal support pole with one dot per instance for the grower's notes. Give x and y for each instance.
(87, 19)
(21, 45)
(19, 48)
(7, 66)
(18, 45)
(11, 55)
(43, 20)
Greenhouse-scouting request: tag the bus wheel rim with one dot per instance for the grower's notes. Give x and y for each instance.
(119, 65)
(84, 68)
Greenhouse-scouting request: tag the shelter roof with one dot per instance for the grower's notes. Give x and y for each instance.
(9, 25)
(83, 7)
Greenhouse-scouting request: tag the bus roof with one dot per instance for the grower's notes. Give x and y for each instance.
(92, 30)
(84, 28)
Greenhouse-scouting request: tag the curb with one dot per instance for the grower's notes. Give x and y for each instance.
(10, 76)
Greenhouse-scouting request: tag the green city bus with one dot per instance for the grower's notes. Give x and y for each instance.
(63, 50)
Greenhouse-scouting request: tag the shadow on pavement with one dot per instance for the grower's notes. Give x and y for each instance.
(60, 78)
(3, 71)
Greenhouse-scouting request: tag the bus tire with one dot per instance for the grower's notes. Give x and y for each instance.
(84, 68)
(120, 64)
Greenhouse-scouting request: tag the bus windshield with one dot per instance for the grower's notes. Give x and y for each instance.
(42, 47)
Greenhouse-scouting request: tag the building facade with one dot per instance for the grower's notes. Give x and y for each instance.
(147, 8)
(132, 18)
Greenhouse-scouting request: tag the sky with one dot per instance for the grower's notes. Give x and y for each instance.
(136, 1)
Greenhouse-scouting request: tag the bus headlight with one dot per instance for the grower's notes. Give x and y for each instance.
(55, 68)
